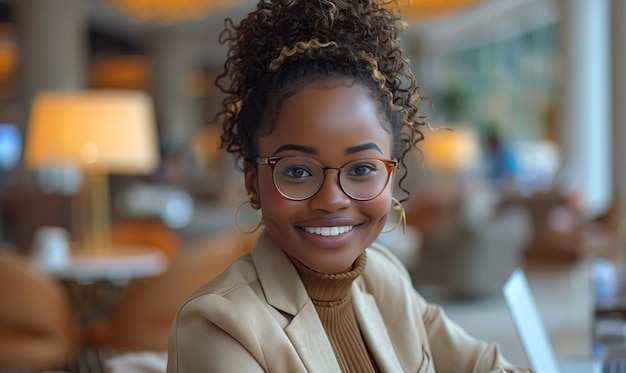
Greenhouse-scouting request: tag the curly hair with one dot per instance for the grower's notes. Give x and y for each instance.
(284, 44)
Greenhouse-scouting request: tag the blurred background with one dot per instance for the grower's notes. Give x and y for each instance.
(107, 133)
(533, 87)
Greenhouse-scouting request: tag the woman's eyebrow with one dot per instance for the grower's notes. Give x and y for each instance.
(311, 150)
(300, 148)
(359, 148)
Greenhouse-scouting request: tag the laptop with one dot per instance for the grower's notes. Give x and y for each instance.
(534, 337)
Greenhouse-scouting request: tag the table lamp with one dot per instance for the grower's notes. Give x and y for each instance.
(101, 132)
(448, 152)
(451, 148)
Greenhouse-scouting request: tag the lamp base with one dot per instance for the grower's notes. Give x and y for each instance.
(92, 216)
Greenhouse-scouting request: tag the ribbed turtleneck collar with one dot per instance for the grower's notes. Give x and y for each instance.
(329, 287)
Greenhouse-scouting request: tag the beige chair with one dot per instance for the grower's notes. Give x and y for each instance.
(474, 262)
(142, 318)
(37, 328)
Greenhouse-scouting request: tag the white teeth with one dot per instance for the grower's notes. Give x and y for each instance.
(328, 231)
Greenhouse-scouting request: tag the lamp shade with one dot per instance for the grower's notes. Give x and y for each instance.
(103, 131)
(451, 149)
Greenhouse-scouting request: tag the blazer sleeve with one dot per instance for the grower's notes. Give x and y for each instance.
(198, 345)
(227, 326)
(451, 348)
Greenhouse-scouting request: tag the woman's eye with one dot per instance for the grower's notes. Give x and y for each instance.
(362, 169)
(296, 172)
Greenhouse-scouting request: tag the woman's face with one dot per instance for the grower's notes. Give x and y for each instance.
(332, 123)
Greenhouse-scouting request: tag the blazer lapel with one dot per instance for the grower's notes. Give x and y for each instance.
(374, 331)
(309, 338)
(284, 291)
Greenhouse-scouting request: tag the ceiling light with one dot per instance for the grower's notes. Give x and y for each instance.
(169, 11)
(419, 10)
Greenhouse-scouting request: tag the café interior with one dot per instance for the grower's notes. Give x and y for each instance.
(116, 200)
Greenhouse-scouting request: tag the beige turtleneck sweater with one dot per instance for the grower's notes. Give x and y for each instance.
(330, 294)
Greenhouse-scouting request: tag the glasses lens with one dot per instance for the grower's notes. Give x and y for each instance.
(364, 178)
(298, 177)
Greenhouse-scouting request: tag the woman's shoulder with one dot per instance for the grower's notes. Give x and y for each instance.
(388, 281)
(381, 261)
(385, 270)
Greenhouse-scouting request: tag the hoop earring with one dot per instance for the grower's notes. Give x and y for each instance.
(402, 220)
(236, 222)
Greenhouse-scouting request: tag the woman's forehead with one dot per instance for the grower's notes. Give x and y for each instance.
(325, 114)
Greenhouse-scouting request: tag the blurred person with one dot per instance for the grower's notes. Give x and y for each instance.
(502, 166)
(322, 111)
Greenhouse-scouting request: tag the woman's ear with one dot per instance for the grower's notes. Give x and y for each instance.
(252, 185)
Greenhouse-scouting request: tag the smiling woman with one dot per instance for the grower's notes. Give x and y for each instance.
(346, 114)
(321, 110)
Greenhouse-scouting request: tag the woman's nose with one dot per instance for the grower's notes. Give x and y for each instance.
(330, 197)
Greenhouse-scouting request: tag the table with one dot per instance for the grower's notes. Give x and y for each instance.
(119, 264)
(96, 279)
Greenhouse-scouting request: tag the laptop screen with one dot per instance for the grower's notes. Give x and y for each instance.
(528, 324)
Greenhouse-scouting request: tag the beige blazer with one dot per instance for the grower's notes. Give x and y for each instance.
(257, 317)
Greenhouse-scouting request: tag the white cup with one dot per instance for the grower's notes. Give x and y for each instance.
(51, 247)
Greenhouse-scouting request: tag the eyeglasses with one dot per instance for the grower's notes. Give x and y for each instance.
(298, 178)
